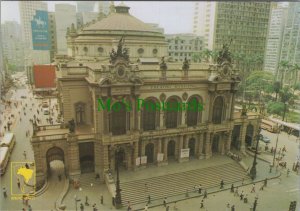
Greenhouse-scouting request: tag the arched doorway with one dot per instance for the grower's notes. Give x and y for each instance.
(120, 159)
(55, 162)
(150, 115)
(249, 135)
(171, 149)
(194, 114)
(118, 119)
(172, 113)
(149, 151)
(192, 143)
(235, 138)
(217, 115)
(215, 144)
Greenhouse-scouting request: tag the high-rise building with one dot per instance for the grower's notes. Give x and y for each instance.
(65, 16)
(12, 44)
(52, 34)
(290, 50)
(103, 7)
(183, 46)
(200, 12)
(85, 17)
(245, 23)
(85, 6)
(27, 12)
(274, 40)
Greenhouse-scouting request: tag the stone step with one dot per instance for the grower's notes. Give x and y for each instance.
(88, 178)
(161, 186)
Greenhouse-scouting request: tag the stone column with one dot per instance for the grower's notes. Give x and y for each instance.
(208, 151)
(200, 145)
(185, 142)
(110, 154)
(40, 166)
(243, 136)
(183, 118)
(159, 145)
(162, 120)
(73, 161)
(135, 153)
(222, 146)
(97, 154)
(210, 108)
(232, 105)
(166, 150)
(139, 120)
(228, 142)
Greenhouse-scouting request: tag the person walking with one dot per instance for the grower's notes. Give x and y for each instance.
(167, 208)
(149, 199)
(101, 199)
(4, 192)
(222, 184)
(242, 195)
(165, 202)
(253, 188)
(18, 183)
(81, 207)
(202, 204)
(146, 207)
(205, 194)
(232, 208)
(287, 172)
(25, 155)
(29, 208)
(232, 188)
(200, 189)
(266, 182)
(236, 193)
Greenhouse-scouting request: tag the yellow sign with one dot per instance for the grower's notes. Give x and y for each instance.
(23, 180)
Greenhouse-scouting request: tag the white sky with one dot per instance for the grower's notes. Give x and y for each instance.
(174, 17)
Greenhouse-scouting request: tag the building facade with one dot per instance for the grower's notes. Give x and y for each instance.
(13, 48)
(246, 24)
(52, 34)
(27, 12)
(183, 46)
(290, 50)
(65, 14)
(274, 40)
(85, 6)
(128, 114)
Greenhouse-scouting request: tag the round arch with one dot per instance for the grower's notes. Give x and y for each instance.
(192, 144)
(249, 135)
(218, 110)
(171, 149)
(149, 151)
(172, 112)
(150, 114)
(193, 115)
(55, 154)
(119, 118)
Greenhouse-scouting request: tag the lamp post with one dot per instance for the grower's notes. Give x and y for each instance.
(118, 199)
(253, 168)
(279, 129)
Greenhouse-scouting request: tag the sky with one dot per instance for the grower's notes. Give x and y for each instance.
(174, 17)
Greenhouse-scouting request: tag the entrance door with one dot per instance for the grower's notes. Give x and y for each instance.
(171, 149)
(235, 139)
(215, 144)
(149, 151)
(86, 157)
(192, 147)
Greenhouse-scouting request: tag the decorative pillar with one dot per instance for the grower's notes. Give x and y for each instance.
(183, 118)
(185, 142)
(200, 145)
(73, 161)
(208, 151)
(210, 108)
(135, 153)
(228, 142)
(97, 153)
(139, 120)
(232, 105)
(162, 120)
(166, 150)
(243, 136)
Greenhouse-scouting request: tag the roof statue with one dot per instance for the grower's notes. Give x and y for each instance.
(186, 64)
(224, 54)
(163, 65)
(72, 126)
(121, 52)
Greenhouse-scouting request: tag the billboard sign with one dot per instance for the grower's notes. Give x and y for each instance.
(40, 31)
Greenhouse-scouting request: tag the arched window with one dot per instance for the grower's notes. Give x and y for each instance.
(118, 118)
(193, 112)
(80, 113)
(218, 110)
(172, 113)
(149, 115)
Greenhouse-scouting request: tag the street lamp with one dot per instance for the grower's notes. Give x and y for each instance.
(118, 200)
(253, 168)
(76, 201)
(276, 146)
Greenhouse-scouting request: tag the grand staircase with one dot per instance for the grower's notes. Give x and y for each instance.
(174, 184)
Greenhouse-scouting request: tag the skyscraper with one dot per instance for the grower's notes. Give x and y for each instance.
(245, 23)
(274, 39)
(65, 15)
(85, 6)
(290, 50)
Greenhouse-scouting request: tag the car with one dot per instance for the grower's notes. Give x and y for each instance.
(265, 139)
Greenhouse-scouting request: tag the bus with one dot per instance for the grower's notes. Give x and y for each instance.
(4, 158)
(269, 126)
(9, 140)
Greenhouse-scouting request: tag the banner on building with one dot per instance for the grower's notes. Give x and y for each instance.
(185, 153)
(144, 160)
(160, 157)
(40, 31)
(140, 160)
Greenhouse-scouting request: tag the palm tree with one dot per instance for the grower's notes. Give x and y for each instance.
(214, 55)
(284, 67)
(295, 70)
(197, 57)
(206, 54)
(286, 96)
(276, 88)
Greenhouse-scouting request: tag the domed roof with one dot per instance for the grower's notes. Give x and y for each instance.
(121, 20)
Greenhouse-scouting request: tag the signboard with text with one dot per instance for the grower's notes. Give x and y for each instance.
(160, 157)
(40, 31)
(185, 153)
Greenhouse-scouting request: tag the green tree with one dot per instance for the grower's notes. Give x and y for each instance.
(284, 67)
(286, 97)
(276, 89)
(275, 108)
(206, 54)
(197, 57)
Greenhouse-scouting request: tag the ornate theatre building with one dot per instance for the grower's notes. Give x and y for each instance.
(119, 60)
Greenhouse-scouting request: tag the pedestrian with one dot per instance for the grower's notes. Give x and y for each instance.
(270, 171)
(202, 204)
(232, 188)
(236, 193)
(18, 183)
(86, 201)
(175, 206)
(129, 206)
(25, 155)
(242, 195)
(262, 187)
(94, 207)
(200, 189)
(4, 192)
(149, 199)
(222, 184)
(167, 208)
(228, 205)
(59, 177)
(246, 199)
(287, 172)
(265, 182)
(205, 194)
(81, 207)
(26, 201)
(232, 208)
(101, 199)
(146, 207)
(165, 202)
(5, 127)
(283, 149)
(29, 208)
(253, 188)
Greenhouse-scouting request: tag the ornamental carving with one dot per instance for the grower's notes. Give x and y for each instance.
(122, 53)
(185, 96)
(162, 97)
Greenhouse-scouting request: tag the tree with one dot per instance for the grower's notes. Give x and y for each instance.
(286, 96)
(276, 89)
(197, 57)
(275, 108)
(284, 67)
(295, 73)
(206, 54)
